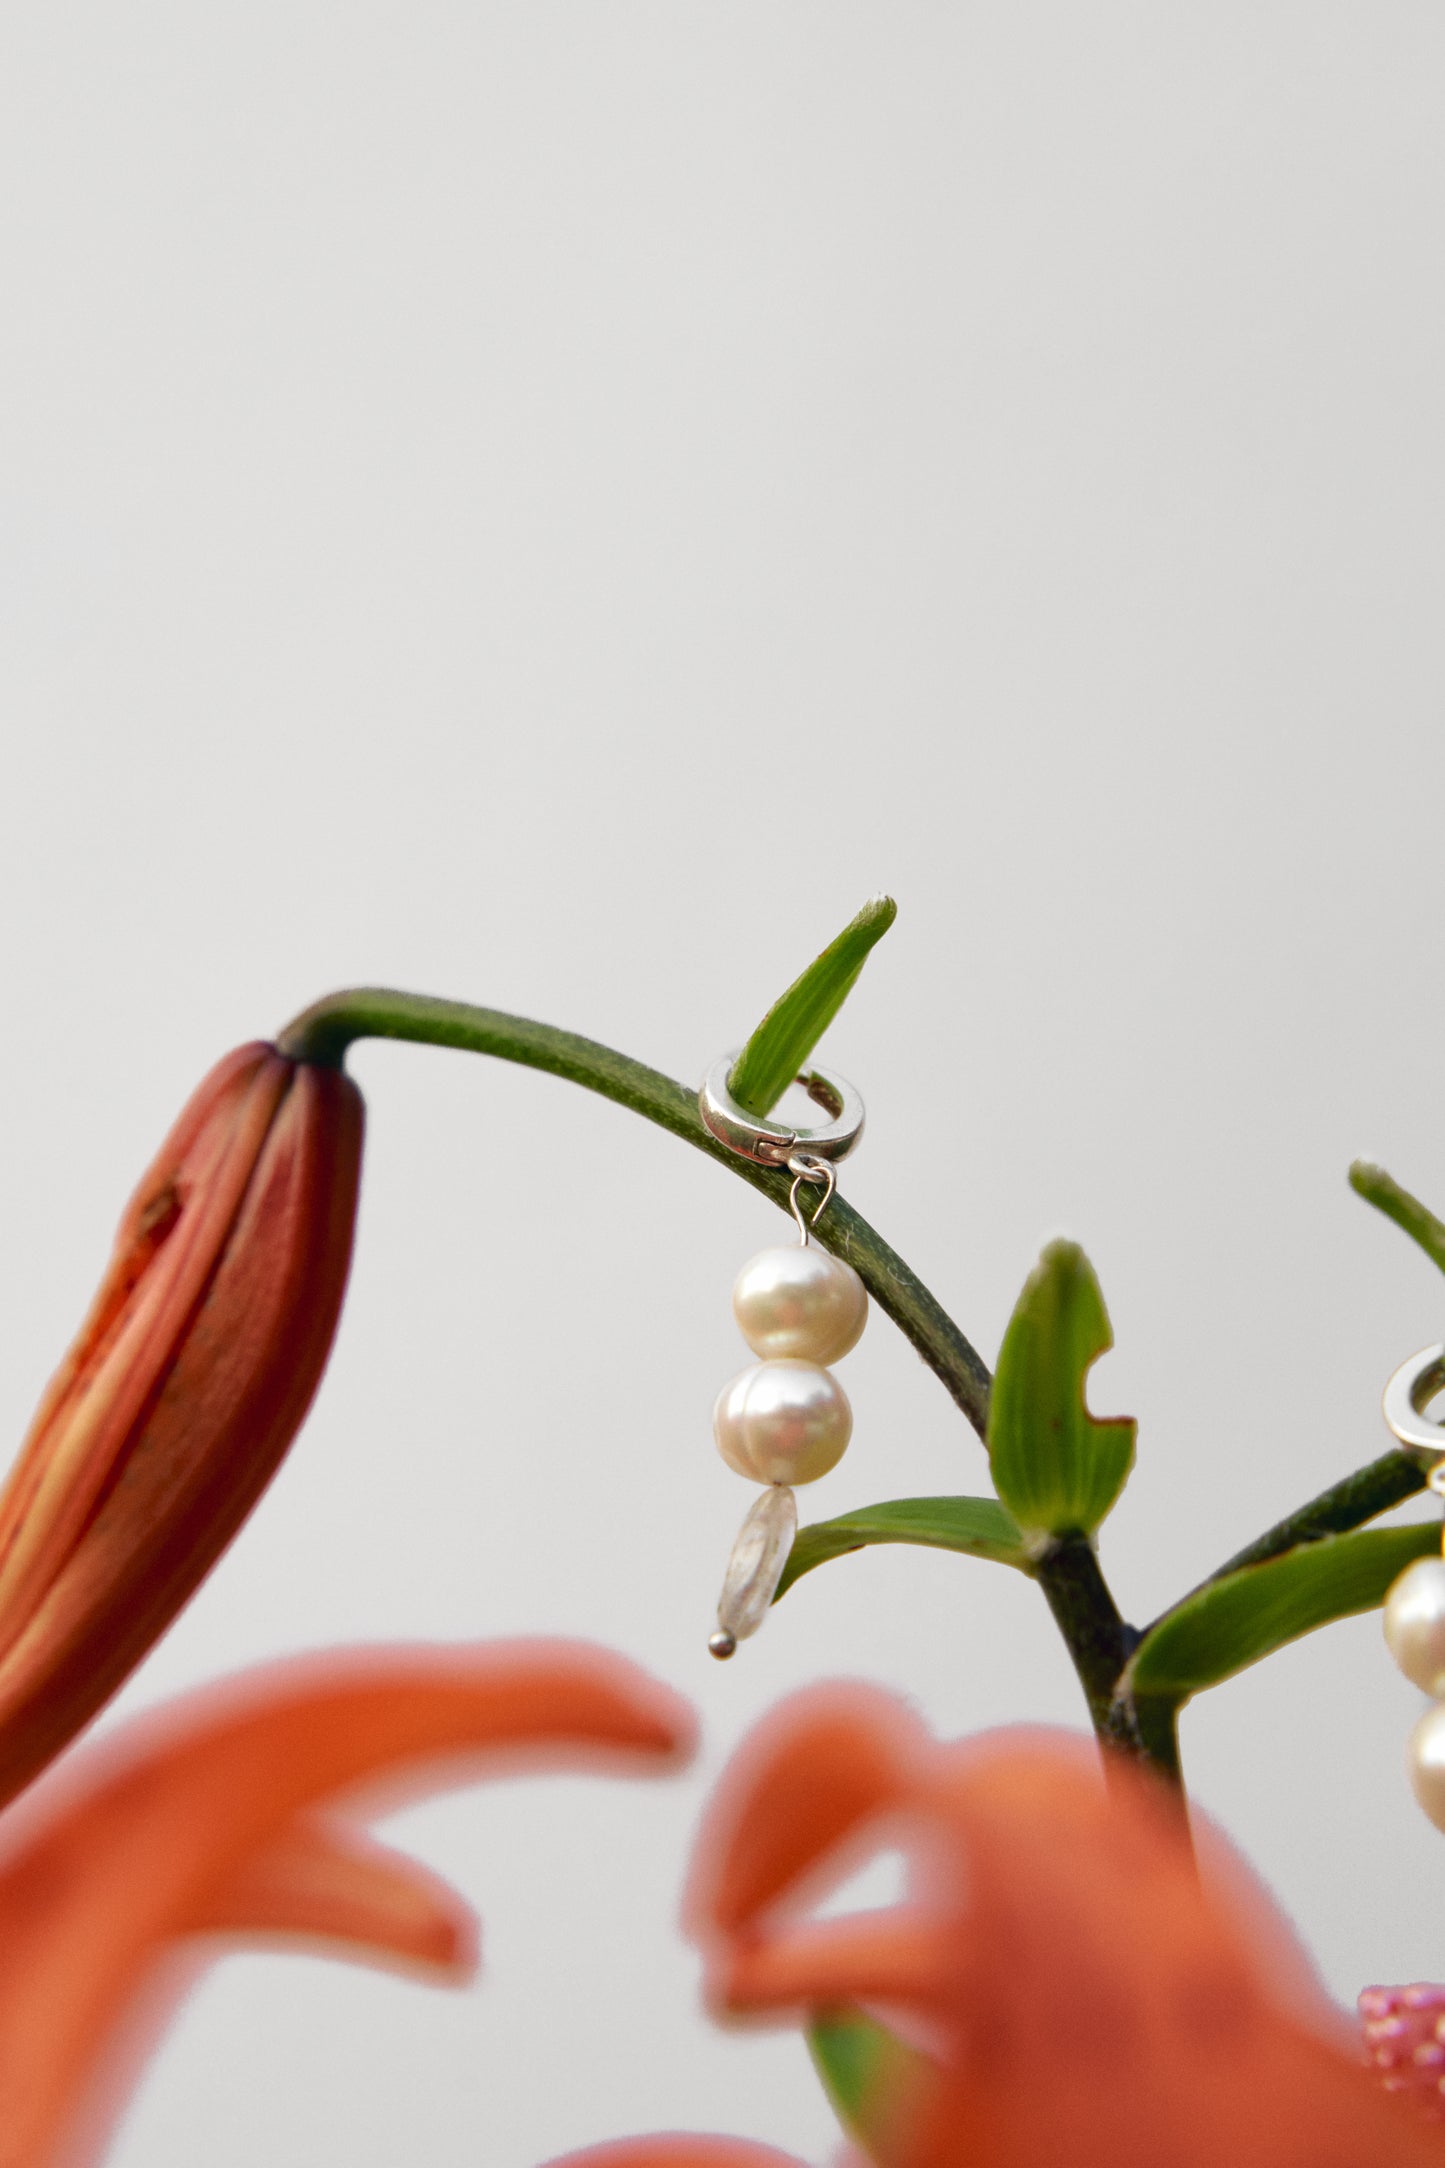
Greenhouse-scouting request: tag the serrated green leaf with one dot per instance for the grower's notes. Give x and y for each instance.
(979, 1526)
(1385, 1194)
(1231, 1623)
(1056, 1467)
(780, 1046)
(865, 2070)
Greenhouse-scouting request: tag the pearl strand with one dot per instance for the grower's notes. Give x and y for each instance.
(1414, 1622)
(785, 1420)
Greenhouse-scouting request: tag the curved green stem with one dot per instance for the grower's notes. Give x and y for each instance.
(1355, 1499)
(1387, 1196)
(322, 1034)
(1097, 1638)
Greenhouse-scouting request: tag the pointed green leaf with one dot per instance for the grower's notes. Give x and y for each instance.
(1233, 1622)
(979, 1526)
(1056, 1467)
(1385, 1194)
(780, 1046)
(864, 2069)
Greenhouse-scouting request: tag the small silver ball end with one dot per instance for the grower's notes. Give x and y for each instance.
(721, 1644)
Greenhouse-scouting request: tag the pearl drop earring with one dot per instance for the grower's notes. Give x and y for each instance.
(1415, 1606)
(786, 1420)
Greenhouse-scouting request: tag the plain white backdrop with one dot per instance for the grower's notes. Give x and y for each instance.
(553, 505)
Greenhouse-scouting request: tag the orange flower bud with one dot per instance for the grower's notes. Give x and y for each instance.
(188, 1381)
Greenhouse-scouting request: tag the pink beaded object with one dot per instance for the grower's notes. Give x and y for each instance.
(1404, 2034)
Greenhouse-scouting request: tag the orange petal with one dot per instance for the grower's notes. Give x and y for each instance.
(149, 1836)
(813, 1770)
(1086, 2000)
(187, 1383)
(894, 1956)
(677, 2149)
(326, 1882)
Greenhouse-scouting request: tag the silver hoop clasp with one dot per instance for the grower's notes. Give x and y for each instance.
(1408, 1394)
(769, 1144)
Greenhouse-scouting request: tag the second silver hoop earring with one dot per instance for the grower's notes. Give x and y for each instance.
(785, 1420)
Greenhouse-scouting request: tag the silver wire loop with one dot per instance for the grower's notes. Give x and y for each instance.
(1408, 1394)
(771, 1144)
(803, 1167)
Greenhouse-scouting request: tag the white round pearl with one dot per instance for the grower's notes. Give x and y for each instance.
(1415, 1623)
(799, 1302)
(783, 1422)
(1427, 1763)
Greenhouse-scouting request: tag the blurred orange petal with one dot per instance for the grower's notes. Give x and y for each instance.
(815, 1769)
(892, 1956)
(325, 1882)
(677, 2149)
(159, 1833)
(1087, 2000)
(186, 1384)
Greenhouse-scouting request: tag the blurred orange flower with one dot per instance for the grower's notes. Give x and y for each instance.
(211, 1818)
(1070, 1987)
(188, 1381)
(677, 2149)
(1080, 1993)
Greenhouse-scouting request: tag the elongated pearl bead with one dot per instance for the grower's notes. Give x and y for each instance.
(1415, 1624)
(1427, 1763)
(755, 1567)
(799, 1302)
(785, 1422)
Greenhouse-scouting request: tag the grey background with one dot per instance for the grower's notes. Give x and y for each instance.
(555, 504)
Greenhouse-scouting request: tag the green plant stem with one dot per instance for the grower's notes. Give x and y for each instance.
(1149, 1723)
(1386, 1195)
(322, 1034)
(1349, 1503)
(1098, 1639)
